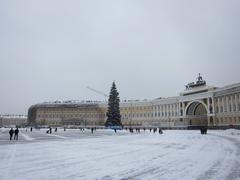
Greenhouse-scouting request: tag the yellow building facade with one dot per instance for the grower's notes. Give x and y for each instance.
(198, 105)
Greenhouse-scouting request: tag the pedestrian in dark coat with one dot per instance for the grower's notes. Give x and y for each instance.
(16, 134)
(160, 131)
(11, 133)
(154, 130)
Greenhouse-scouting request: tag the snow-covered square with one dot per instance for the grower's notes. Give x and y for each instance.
(104, 155)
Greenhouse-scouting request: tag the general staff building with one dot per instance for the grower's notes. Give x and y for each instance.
(198, 105)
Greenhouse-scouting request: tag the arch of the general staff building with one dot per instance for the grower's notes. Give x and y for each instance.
(197, 104)
(196, 114)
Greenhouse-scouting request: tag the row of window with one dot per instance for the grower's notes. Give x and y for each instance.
(125, 116)
(154, 107)
(228, 120)
(229, 98)
(149, 114)
(70, 116)
(229, 108)
(59, 110)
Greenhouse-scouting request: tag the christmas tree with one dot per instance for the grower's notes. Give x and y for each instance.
(113, 112)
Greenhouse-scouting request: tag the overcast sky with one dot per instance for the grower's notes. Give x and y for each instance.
(53, 49)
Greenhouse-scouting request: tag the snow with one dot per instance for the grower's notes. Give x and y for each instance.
(103, 155)
(232, 132)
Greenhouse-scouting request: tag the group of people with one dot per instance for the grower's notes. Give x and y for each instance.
(15, 132)
(49, 131)
(131, 130)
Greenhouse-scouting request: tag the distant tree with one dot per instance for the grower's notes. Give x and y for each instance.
(113, 112)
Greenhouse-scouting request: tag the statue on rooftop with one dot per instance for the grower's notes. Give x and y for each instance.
(199, 79)
(200, 82)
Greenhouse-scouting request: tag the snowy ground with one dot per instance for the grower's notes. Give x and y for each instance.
(105, 155)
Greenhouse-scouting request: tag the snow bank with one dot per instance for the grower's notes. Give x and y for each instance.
(234, 132)
(3, 129)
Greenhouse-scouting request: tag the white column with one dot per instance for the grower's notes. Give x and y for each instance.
(179, 109)
(167, 110)
(231, 101)
(227, 102)
(163, 108)
(224, 103)
(213, 104)
(223, 98)
(176, 110)
(160, 110)
(237, 101)
(208, 105)
(218, 104)
(183, 109)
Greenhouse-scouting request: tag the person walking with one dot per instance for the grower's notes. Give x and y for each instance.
(160, 131)
(11, 133)
(16, 134)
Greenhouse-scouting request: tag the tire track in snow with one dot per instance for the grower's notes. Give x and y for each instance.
(26, 137)
(220, 165)
(11, 158)
(235, 171)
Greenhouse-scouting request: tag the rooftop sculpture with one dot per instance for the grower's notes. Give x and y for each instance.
(199, 82)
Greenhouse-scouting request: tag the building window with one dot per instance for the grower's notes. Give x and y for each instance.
(234, 107)
(211, 120)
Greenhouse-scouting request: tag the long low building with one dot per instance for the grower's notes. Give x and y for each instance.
(198, 105)
(8, 120)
